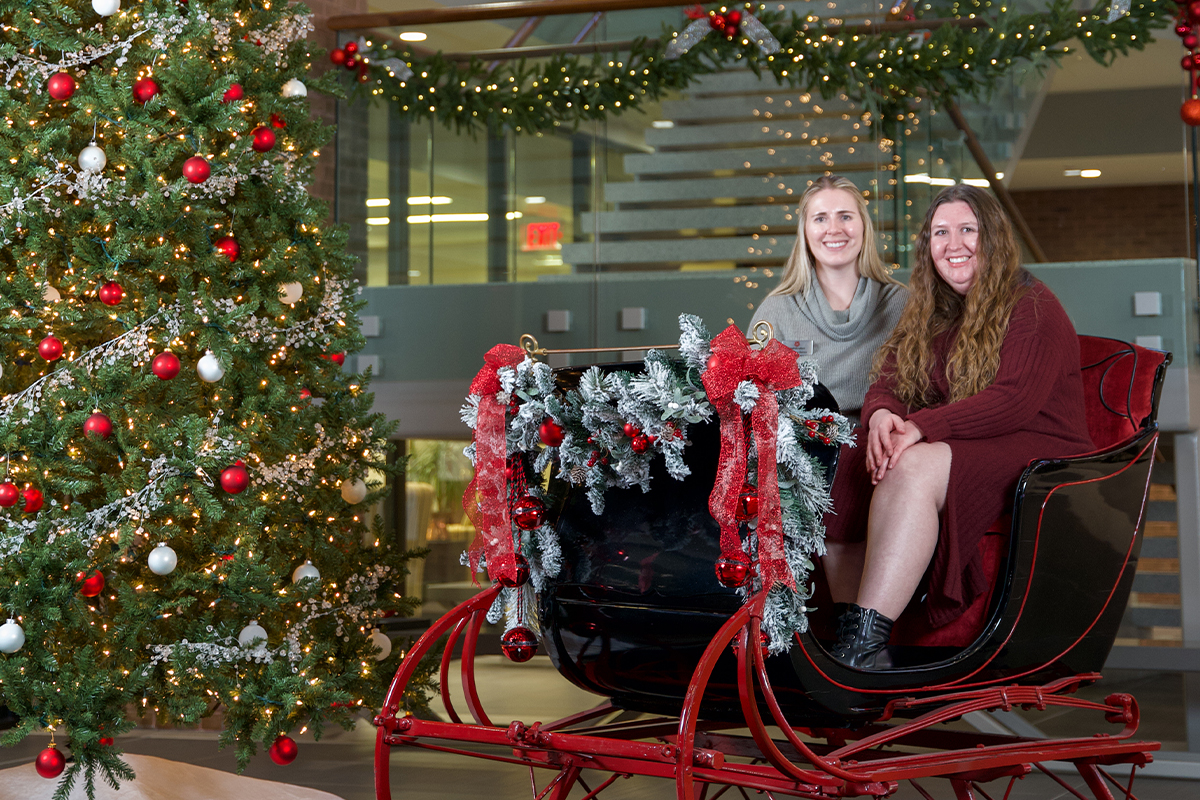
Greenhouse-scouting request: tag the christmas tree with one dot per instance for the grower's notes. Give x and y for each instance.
(188, 472)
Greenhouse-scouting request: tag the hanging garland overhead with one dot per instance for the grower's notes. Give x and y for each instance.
(884, 71)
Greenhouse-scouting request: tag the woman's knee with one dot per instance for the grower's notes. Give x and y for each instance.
(925, 464)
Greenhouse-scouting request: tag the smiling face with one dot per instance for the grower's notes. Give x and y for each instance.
(833, 229)
(953, 239)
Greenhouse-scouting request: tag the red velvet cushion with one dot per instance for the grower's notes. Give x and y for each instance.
(1118, 386)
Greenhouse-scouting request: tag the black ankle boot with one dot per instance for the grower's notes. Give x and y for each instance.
(863, 635)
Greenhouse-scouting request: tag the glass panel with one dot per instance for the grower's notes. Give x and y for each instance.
(436, 476)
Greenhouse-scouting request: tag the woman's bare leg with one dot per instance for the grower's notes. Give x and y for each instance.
(902, 530)
(843, 565)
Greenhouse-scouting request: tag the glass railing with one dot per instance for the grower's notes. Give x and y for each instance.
(705, 180)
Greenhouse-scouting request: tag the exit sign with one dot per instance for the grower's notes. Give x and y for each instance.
(542, 236)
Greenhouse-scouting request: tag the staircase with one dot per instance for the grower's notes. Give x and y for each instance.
(1153, 616)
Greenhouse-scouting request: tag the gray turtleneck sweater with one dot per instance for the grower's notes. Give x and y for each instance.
(843, 343)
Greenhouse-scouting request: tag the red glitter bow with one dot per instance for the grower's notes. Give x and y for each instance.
(771, 369)
(486, 498)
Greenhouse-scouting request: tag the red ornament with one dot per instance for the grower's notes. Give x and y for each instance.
(764, 643)
(1194, 10)
(551, 433)
(106, 741)
(364, 74)
(631, 430)
(50, 348)
(277, 121)
(1190, 41)
(522, 575)
(338, 358)
(1183, 29)
(733, 570)
(1190, 112)
(519, 644)
(144, 89)
(228, 247)
(233, 94)
(640, 443)
(284, 751)
(165, 365)
(196, 169)
(90, 585)
(50, 762)
(61, 86)
(99, 425)
(9, 494)
(350, 47)
(235, 479)
(528, 513)
(350, 63)
(264, 139)
(338, 56)
(305, 394)
(111, 293)
(747, 506)
(33, 501)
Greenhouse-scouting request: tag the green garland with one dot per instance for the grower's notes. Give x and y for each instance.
(884, 72)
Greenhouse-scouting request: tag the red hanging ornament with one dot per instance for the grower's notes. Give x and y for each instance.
(528, 513)
(305, 394)
(50, 762)
(98, 425)
(144, 90)
(1183, 29)
(631, 430)
(106, 741)
(235, 479)
(165, 365)
(338, 358)
(551, 433)
(111, 293)
(747, 508)
(196, 169)
(764, 643)
(33, 500)
(521, 576)
(1190, 111)
(338, 56)
(1193, 10)
(264, 139)
(277, 121)
(228, 247)
(9, 494)
(519, 644)
(50, 348)
(350, 47)
(640, 443)
(61, 86)
(1190, 41)
(284, 751)
(233, 94)
(733, 570)
(350, 63)
(90, 585)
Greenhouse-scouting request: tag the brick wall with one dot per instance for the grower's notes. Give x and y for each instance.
(323, 105)
(1108, 222)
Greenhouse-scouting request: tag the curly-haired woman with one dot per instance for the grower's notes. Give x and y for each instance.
(980, 376)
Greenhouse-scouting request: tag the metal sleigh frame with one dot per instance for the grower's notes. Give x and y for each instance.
(892, 736)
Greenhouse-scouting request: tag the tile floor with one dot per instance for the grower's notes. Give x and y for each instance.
(342, 764)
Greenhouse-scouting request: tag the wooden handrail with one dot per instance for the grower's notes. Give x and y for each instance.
(513, 9)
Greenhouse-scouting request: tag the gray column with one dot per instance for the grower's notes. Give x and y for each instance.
(353, 137)
(399, 166)
(497, 205)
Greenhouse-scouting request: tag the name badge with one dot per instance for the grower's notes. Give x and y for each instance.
(803, 347)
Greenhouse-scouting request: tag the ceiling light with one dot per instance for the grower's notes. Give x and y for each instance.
(513, 215)
(1071, 173)
(426, 200)
(983, 182)
(413, 36)
(533, 201)
(376, 202)
(377, 220)
(942, 181)
(1089, 173)
(918, 177)
(421, 219)
(662, 123)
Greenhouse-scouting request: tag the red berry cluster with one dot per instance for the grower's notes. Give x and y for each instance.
(822, 430)
(348, 56)
(1188, 28)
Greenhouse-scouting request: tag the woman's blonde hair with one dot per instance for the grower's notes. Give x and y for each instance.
(934, 308)
(798, 271)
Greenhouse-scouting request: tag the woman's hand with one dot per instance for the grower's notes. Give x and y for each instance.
(889, 435)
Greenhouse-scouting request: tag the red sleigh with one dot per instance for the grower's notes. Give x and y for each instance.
(638, 618)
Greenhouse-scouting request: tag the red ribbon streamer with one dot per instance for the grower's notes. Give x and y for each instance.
(486, 497)
(771, 369)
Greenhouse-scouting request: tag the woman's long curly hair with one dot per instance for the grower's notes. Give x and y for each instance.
(934, 308)
(798, 271)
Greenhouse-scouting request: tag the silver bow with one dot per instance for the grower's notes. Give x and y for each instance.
(1118, 9)
(749, 26)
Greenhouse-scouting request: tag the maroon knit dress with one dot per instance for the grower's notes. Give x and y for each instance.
(1034, 409)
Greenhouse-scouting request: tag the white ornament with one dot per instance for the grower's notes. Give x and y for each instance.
(12, 637)
(92, 158)
(106, 8)
(353, 491)
(162, 559)
(209, 368)
(290, 292)
(381, 640)
(294, 88)
(305, 571)
(251, 632)
(50, 294)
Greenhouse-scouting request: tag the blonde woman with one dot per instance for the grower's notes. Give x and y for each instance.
(836, 302)
(980, 376)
